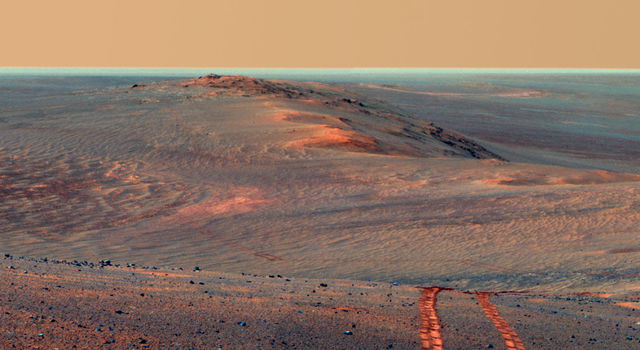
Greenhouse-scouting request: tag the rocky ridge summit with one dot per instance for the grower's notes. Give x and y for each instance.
(365, 125)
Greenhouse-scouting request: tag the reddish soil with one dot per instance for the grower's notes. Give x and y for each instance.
(430, 328)
(47, 303)
(511, 339)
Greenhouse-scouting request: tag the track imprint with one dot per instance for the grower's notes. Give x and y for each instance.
(511, 339)
(430, 327)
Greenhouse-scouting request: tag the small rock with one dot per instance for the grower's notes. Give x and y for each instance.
(348, 332)
(323, 285)
(242, 323)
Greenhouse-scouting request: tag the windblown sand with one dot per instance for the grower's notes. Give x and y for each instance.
(309, 181)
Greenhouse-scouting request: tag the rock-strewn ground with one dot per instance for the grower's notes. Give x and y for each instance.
(51, 304)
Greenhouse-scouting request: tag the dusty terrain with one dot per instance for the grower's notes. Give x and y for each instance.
(320, 184)
(52, 304)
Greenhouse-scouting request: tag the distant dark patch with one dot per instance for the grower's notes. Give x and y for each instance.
(461, 143)
(624, 250)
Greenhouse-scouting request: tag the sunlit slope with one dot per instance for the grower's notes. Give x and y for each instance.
(246, 175)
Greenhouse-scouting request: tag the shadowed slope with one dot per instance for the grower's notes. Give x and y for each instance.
(372, 126)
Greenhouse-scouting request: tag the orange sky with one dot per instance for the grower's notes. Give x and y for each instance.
(327, 33)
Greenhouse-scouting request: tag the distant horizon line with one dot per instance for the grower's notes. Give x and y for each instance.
(310, 67)
(231, 70)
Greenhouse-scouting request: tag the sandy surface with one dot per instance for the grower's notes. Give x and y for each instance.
(53, 304)
(319, 184)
